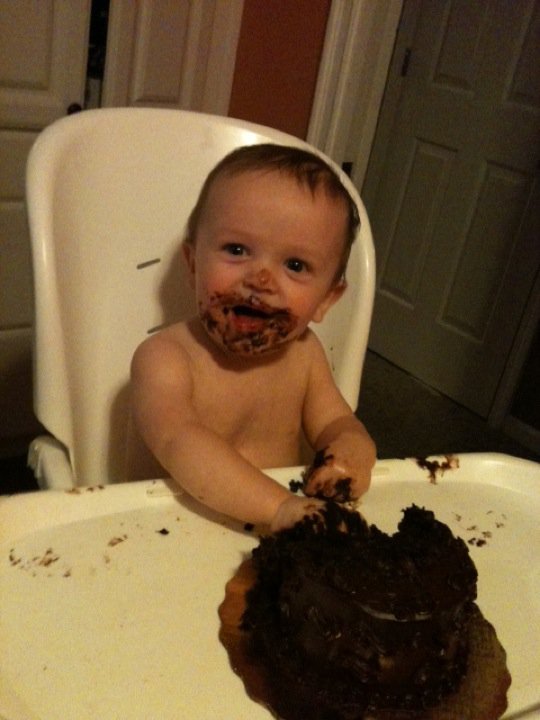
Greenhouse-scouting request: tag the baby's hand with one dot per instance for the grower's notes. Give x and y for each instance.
(339, 476)
(293, 510)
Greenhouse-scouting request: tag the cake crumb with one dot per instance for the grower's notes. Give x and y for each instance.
(117, 540)
(436, 466)
(295, 485)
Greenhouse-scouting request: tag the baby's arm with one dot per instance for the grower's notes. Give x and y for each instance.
(202, 462)
(345, 453)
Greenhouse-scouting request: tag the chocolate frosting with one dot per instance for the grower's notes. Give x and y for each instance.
(342, 610)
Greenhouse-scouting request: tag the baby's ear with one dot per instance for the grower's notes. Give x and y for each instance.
(188, 250)
(331, 297)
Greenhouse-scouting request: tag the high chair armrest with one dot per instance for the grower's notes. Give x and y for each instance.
(49, 461)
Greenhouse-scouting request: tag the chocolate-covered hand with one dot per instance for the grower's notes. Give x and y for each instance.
(335, 475)
(293, 510)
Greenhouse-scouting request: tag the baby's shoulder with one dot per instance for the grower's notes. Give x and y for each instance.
(166, 348)
(305, 352)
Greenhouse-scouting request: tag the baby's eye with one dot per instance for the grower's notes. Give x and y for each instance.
(296, 265)
(234, 249)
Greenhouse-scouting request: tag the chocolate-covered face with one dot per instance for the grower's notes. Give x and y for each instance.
(246, 326)
(264, 260)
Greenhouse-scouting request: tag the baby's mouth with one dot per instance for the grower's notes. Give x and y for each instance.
(248, 326)
(252, 315)
(255, 309)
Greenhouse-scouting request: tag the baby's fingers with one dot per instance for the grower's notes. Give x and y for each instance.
(326, 483)
(293, 510)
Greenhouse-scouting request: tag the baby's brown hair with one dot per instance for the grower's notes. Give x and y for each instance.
(309, 170)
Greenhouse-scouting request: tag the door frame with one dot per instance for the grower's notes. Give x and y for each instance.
(501, 411)
(358, 46)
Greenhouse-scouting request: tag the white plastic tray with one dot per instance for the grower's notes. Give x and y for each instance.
(109, 596)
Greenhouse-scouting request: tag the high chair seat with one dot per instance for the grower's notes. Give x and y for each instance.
(108, 194)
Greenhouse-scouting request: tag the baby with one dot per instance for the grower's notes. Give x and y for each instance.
(233, 390)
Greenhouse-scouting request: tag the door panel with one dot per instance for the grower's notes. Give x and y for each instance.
(172, 54)
(15, 273)
(452, 192)
(43, 46)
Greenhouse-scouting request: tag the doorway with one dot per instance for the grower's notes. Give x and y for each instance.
(452, 193)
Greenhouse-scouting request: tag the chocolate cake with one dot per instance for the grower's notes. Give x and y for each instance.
(352, 623)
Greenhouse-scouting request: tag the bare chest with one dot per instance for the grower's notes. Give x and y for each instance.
(231, 399)
(259, 410)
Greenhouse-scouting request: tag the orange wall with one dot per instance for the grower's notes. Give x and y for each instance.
(277, 62)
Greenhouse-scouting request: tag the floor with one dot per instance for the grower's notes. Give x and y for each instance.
(15, 476)
(405, 417)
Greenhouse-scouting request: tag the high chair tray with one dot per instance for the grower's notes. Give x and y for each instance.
(109, 595)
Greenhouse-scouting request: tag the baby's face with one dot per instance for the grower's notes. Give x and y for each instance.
(264, 260)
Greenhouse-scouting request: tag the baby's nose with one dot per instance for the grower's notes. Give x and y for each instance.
(264, 276)
(261, 279)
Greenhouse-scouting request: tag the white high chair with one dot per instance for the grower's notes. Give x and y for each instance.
(108, 193)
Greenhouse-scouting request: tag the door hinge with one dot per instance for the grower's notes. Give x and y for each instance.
(406, 61)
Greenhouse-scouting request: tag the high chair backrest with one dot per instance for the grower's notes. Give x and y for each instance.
(108, 195)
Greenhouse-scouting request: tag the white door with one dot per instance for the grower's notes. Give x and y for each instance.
(177, 54)
(43, 46)
(452, 192)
